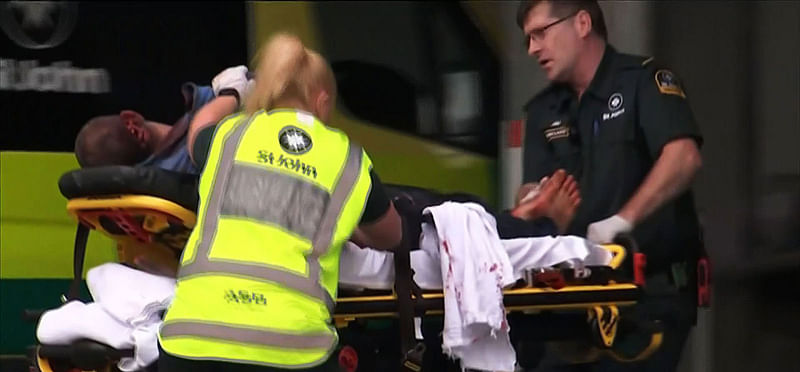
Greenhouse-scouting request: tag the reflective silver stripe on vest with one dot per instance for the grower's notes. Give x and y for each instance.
(322, 237)
(272, 197)
(259, 336)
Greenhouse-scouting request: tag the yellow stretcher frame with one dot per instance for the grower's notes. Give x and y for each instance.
(157, 215)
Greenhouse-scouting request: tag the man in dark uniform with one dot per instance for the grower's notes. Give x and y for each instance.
(622, 125)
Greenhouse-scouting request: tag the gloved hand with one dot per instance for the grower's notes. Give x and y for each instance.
(603, 232)
(232, 80)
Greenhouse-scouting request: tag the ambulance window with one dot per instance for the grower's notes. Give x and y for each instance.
(421, 68)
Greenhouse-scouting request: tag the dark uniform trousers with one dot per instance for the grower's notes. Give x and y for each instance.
(609, 140)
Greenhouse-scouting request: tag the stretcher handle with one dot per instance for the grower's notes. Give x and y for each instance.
(627, 241)
(79, 253)
(618, 253)
(638, 266)
(703, 283)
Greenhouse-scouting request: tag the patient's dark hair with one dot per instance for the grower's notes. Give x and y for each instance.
(105, 140)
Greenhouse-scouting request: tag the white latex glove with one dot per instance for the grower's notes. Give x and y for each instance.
(232, 78)
(603, 232)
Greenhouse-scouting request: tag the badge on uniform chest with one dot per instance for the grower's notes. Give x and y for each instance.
(614, 106)
(556, 130)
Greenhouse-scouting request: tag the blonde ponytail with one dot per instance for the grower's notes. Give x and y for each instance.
(287, 70)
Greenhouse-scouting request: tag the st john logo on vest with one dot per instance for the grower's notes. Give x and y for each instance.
(268, 157)
(294, 140)
(40, 25)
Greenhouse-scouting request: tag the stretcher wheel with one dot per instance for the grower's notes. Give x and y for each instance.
(646, 352)
(348, 359)
(576, 352)
(41, 364)
(638, 343)
(82, 355)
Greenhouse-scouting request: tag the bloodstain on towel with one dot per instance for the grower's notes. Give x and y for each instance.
(449, 280)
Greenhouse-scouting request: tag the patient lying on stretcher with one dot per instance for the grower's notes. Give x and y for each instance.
(528, 245)
(542, 210)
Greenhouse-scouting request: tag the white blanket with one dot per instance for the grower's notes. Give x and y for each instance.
(369, 268)
(125, 314)
(128, 302)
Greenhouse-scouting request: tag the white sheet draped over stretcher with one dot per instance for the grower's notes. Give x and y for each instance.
(125, 314)
(128, 302)
(368, 268)
(475, 328)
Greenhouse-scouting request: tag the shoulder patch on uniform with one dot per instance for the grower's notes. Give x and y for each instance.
(668, 83)
(647, 61)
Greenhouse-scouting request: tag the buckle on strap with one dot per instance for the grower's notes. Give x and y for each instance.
(412, 360)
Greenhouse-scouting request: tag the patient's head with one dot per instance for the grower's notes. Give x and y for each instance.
(122, 139)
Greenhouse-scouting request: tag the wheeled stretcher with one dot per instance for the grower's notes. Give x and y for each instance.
(150, 212)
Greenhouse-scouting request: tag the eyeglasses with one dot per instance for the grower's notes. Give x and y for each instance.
(538, 34)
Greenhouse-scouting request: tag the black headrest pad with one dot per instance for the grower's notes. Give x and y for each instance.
(180, 188)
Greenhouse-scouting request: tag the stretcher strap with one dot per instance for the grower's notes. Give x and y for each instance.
(81, 236)
(403, 283)
(559, 278)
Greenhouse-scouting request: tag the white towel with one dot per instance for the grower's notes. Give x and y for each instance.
(125, 314)
(137, 299)
(475, 269)
(75, 320)
(368, 268)
(145, 340)
(125, 292)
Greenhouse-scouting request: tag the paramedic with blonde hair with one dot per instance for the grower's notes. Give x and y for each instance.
(280, 193)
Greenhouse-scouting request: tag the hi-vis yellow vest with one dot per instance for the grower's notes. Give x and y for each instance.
(279, 196)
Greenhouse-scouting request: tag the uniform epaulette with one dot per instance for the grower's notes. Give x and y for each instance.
(633, 61)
